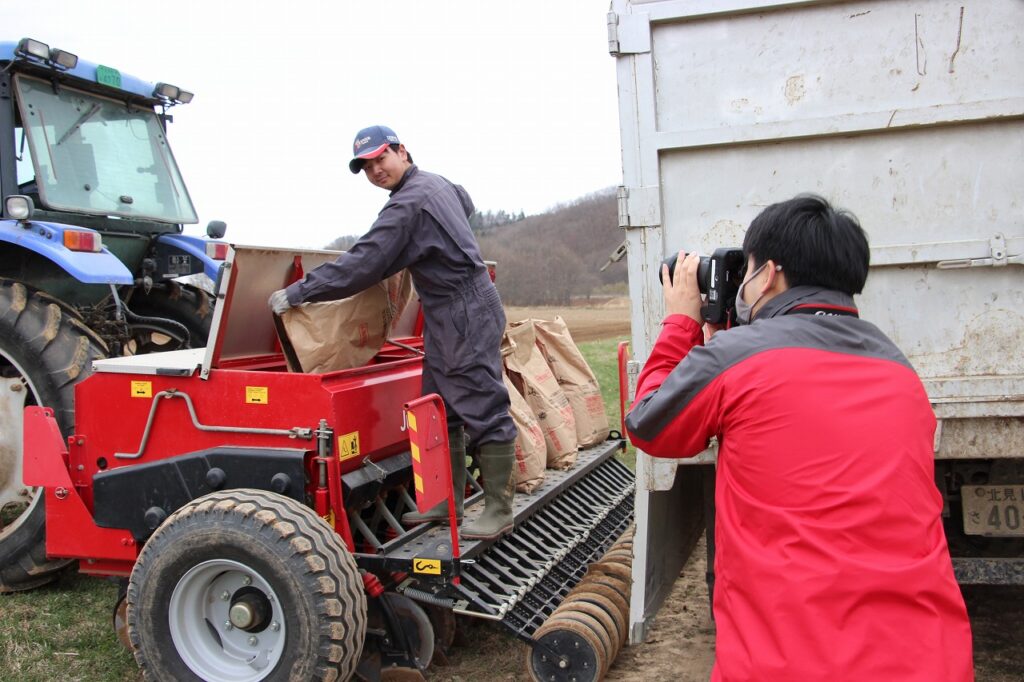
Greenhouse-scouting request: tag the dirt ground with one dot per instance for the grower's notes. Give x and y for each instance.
(607, 319)
(680, 645)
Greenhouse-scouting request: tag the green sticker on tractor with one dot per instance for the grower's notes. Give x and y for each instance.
(108, 76)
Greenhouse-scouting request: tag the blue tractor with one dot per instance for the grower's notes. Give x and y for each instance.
(93, 261)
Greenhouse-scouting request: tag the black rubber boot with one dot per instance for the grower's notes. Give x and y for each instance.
(496, 462)
(439, 512)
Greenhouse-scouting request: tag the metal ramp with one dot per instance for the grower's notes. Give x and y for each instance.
(564, 525)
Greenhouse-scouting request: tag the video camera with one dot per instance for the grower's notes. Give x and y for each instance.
(718, 277)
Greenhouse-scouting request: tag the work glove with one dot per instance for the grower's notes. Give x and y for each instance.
(279, 302)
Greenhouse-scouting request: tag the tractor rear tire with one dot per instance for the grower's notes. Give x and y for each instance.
(45, 350)
(254, 553)
(184, 304)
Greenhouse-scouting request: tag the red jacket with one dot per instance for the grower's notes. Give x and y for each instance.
(831, 562)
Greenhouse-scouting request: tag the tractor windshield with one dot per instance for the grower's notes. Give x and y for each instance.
(100, 156)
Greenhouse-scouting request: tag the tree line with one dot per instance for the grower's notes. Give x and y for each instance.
(550, 258)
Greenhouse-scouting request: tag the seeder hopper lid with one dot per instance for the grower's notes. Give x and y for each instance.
(242, 332)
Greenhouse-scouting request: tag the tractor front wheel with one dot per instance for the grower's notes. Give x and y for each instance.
(45, 351)
(246, 585)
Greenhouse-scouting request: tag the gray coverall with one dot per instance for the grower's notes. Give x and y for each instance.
(424, 227)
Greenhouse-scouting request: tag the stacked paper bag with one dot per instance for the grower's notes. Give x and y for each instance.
(531, 450)
(533, 378)
(576, 380)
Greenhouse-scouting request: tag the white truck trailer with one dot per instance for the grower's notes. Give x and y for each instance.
(910, 113)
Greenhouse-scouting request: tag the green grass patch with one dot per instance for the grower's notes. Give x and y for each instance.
(63, 631)
(603, 358)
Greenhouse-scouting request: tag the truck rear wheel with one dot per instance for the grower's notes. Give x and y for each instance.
(246, 585)
(45, 350)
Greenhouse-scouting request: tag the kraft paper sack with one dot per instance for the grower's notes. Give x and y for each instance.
(576, 380)
(534, 379)
(531, 450)
(347, 333)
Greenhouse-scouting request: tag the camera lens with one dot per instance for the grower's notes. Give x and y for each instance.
(703, 271)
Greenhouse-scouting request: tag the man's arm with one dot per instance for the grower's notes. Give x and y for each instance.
(677, 408)
(368, 261)
(464, 199)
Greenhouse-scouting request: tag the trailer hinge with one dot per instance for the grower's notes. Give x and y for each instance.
(628, 33)
(998, 257)
(639, 206)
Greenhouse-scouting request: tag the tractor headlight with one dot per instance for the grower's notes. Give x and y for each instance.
(166, 91)
(19, 207)
(33, 48)
(63, 59)
(172, 93)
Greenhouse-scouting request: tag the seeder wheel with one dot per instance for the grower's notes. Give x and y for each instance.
(579, 603)
(570, 652)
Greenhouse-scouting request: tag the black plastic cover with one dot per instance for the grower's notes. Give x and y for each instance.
(132, 497)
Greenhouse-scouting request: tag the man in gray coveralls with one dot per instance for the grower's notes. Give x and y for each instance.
(424, 227)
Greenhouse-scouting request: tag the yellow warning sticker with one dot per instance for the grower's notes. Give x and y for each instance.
(142, 389)
(412, 421)
(419, 482)
(348, 446)
(257, 395)
(415, 451)
(431, 566)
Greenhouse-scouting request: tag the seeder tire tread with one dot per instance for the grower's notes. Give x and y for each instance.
(609, 592)
(581, 604)
(575, 620)
(618, 620)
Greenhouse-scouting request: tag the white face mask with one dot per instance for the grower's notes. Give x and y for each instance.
(743, 309)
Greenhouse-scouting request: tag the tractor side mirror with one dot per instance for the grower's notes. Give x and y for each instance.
(216, 229)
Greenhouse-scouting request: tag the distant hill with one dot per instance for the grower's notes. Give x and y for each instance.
(553, 257)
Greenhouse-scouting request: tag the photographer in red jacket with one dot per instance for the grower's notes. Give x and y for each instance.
(831, 562)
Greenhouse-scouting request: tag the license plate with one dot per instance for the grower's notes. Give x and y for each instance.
(993, 510)
(179, 264)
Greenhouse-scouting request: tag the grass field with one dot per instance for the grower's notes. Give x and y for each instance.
(63, 631)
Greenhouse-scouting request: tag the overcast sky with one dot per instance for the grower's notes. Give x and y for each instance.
(514, 100)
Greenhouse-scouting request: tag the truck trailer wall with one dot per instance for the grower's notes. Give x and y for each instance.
(908, 113)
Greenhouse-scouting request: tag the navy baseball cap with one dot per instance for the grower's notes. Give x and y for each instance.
(369, 144)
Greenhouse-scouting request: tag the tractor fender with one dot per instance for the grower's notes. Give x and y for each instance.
(179, 255)
(47, 239)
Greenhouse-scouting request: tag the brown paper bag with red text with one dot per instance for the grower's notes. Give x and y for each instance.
(531, 450)
(534, 379)
(347, 333)
(576, 380)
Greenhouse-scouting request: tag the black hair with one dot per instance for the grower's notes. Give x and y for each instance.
(814, 243)
(394, 148)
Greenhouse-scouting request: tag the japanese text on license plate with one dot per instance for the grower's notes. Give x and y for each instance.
(994, 510)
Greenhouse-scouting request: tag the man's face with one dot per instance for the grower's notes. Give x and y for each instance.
(386, 170)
